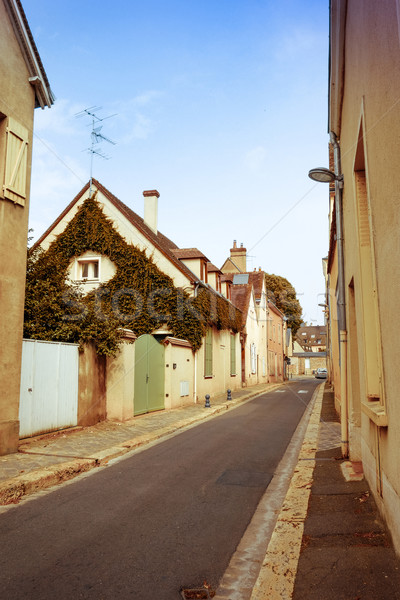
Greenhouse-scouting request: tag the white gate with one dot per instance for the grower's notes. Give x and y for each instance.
(49, 387)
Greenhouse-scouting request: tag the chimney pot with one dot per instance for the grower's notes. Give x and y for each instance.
(234, 243)
(241, 245)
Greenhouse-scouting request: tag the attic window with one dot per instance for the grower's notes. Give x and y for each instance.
(89, 269)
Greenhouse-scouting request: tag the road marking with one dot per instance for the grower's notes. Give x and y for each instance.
(302, 392)
(279, 391)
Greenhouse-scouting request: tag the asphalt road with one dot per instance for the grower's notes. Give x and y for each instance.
(146, 526)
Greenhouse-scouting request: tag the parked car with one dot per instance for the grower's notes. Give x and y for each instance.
(321, 374)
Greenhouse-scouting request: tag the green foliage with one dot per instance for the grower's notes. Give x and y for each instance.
(139, 297)
(281, 292)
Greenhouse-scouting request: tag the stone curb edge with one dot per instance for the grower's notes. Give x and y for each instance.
(14, 489)
(278, 570)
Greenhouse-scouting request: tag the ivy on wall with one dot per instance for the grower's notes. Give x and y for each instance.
(139, 297)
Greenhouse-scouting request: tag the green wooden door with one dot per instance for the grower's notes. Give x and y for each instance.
(149, 375)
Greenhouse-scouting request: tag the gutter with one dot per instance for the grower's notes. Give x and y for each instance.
(341, 296)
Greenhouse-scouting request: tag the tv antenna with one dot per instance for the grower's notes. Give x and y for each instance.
(96, 137)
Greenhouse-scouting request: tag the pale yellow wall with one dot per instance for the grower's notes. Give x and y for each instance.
(183, 358)
(17, 101)
(120, 383)
(256, 330)
(371, 93)
(194, 264)
(221, 380)
(212, 280)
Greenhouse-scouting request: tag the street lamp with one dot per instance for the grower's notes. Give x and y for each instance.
(323, 175)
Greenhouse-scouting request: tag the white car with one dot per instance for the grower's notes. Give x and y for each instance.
(321, 373)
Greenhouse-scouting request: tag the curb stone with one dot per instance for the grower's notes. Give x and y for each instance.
(278, 571)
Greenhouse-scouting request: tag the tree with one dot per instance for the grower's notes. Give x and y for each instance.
(281, 292)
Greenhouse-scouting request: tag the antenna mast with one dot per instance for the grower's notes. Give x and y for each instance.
(96, 137)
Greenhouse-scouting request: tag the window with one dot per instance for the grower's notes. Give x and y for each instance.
(271, 362)
(16, 159)
(233, 355)
(208, 351)
(89, 269)
(253, 358)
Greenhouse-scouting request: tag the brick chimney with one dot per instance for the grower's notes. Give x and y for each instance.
(238, 256)
(151, 209)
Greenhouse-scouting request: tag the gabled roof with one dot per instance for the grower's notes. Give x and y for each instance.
(240, 297)
(257, 279)
(212, 268)
(227, 266)
(37, 75)
(275, 309)
(227, 277)
(160, 241)
(183, 253)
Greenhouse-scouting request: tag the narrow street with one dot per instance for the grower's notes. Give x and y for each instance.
(150, 524)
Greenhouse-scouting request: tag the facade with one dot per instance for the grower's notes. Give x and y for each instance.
(180, 375)
(264, 327)
(363, 267)
(276, 343)
(24, 86)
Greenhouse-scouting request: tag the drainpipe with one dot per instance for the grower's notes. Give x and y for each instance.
(341, 297)
(196, 287)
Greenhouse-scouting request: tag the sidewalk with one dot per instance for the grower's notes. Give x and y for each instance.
(46, 460)
(329, 542)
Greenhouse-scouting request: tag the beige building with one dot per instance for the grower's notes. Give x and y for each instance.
(183, 376)
(264, 327)
(24, 86)
(276, 343)
(363, 268)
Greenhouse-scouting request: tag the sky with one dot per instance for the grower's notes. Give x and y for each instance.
(220, 105)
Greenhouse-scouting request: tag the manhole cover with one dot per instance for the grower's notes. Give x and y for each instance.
(197, 593)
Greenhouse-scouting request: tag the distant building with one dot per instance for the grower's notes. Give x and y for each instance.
(312, 338)
(263, 338)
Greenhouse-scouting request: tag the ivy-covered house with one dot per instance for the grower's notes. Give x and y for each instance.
(155, 319)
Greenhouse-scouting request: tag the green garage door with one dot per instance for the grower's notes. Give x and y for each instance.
(149, 375)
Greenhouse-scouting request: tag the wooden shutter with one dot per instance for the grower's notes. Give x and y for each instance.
(233, 355)
(16, 162)
(208, 354)
(253, 357)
